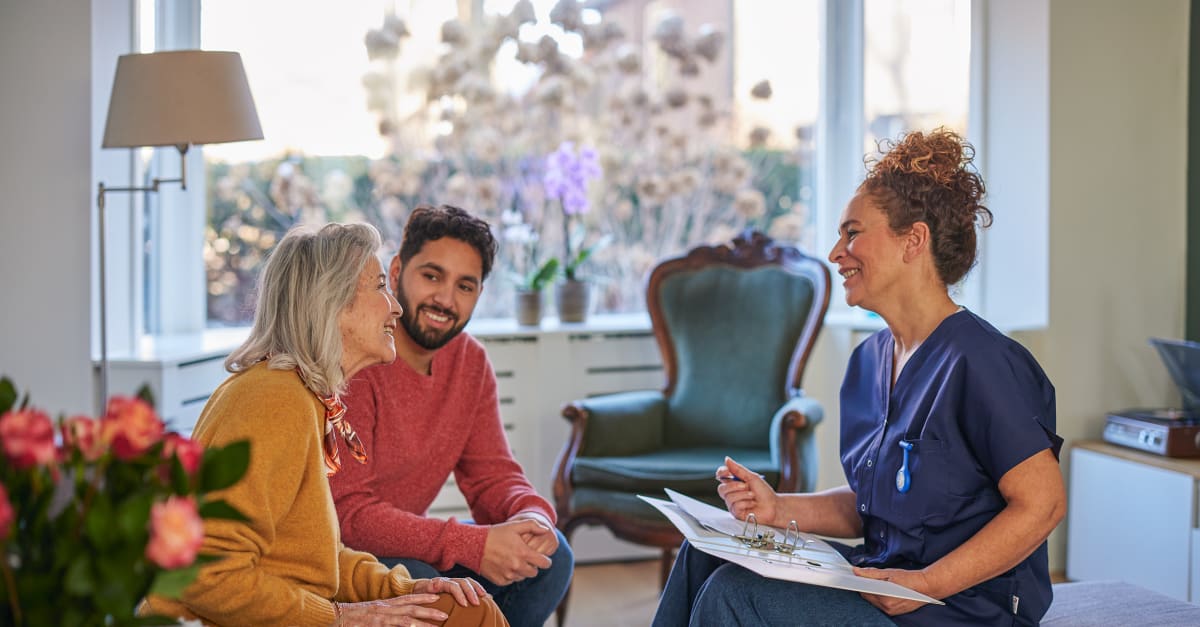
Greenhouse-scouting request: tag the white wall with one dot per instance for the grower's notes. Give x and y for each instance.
(51, 117)
(45, 125)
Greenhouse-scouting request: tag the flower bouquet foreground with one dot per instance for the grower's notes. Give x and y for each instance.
(97, 513)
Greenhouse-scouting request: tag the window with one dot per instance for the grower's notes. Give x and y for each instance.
(916, 66)
(366, 113)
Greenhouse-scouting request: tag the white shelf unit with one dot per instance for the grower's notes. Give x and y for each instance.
(1132, 517)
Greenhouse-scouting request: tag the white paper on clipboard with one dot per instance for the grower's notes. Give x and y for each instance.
(815, 562)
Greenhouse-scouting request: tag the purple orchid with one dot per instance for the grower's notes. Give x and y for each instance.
(567, 175)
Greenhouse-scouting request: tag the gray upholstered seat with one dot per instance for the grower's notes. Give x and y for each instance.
(1105, 603)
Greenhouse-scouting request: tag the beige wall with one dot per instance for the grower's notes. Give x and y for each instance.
(1118, 148)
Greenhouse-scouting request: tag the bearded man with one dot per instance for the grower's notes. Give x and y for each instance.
(435, 411)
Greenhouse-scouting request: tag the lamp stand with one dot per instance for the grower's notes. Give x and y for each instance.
(153, 187)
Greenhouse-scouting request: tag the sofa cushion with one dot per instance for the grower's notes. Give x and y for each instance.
(1102, 603)
(690, 471)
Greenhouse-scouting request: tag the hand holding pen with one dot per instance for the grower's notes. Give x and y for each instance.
(745, 491)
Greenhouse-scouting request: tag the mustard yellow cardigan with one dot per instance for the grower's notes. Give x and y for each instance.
(287, 564)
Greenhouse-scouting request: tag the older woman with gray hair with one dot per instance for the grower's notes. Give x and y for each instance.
(324, 313)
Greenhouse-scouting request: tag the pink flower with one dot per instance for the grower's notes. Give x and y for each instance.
(176, 532)
(28, 438)
(6, 514)
(188, 451)
(83, 434)
(131, 425)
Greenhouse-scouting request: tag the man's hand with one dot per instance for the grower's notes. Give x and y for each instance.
(508, 557)
(892, 606)
(544, 542)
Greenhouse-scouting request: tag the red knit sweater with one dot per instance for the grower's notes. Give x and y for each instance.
(418, 429)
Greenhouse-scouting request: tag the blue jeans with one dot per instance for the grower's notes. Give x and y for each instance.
(526, 602)
(707, 590)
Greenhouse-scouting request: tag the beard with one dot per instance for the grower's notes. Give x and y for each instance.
(429, 339)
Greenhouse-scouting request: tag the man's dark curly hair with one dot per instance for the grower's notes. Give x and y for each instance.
(929, 177)
(428, 223)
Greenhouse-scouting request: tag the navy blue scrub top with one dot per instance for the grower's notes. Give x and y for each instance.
(973, 404)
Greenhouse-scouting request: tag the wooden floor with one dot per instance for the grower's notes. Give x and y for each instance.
(620, 594)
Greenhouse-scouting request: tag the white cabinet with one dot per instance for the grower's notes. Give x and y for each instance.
(540, 370)
(182, 372)
(1132, 517)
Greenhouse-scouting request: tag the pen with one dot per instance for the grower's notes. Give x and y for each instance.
(735, 478)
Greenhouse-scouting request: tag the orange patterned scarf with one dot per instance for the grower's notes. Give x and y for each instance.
(335, 423)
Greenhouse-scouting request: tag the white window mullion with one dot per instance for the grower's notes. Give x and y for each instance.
(970, 292)
(177, 280)
(839, 164)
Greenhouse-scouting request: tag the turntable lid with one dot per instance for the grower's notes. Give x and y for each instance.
(1182, 359)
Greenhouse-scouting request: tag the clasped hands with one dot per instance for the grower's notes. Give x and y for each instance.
(745, 491)
(518, 548)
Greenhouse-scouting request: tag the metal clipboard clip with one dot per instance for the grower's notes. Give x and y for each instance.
(765, 540)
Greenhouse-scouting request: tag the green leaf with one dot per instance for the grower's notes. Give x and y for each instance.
(223, 467)
(146, 394)
(171, 583)
(133, 516)
(540, 279)
(119, 586)
(78, 580)
(221, 509)
(180, 481)
(98, 524)
(8, 395)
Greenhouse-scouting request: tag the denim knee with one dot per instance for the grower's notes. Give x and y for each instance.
(562, 565)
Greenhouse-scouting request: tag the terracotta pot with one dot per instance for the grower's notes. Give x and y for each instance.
(573, 299)
(529, 308)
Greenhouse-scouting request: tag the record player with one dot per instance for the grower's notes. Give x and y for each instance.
(1172, 432)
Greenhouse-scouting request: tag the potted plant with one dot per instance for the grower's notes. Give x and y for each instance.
(565, 180)
(529, 293)
(111, 511)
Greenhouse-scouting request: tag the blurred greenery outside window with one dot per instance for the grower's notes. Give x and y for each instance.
(372, 107)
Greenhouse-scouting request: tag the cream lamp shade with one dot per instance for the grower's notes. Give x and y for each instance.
(180, 98)
(175, 98)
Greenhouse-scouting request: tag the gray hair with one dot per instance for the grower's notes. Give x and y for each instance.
(309, 278)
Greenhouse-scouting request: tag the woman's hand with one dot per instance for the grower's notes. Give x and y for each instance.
(892, 606)
(406, 611)
(745, 491)
(466, 591)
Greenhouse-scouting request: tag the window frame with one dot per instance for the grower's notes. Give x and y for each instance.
(177, 284)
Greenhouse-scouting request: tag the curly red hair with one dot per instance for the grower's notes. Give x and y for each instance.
(930, 178)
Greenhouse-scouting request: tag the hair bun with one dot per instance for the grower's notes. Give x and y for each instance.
(940, 154)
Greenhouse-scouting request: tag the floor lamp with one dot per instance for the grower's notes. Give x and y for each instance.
(175, 98)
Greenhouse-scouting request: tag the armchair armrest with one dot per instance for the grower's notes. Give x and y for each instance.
(793, 448)
(604, 426)
(621, 424)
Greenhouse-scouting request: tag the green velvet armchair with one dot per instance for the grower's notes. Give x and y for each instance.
(735, 325)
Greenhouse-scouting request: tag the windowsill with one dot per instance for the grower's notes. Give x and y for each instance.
(211, 343)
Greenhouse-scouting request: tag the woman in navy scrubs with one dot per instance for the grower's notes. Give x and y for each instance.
(947, 432)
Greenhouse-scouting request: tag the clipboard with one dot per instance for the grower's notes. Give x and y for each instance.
(807, 559)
